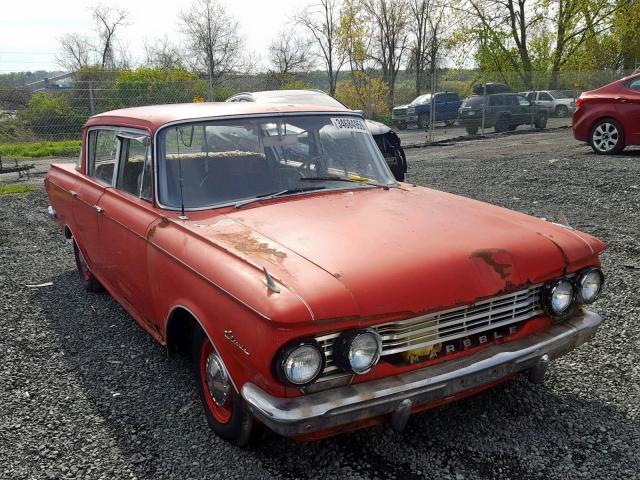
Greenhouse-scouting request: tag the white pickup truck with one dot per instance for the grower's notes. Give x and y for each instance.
(558, 102)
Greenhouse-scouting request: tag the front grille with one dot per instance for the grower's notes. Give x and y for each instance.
(399, 112)
(460, 322)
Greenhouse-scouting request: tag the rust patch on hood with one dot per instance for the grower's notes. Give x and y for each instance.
(250, 246)
(491, 257)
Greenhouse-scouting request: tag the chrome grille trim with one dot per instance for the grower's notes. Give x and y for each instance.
(446, 325)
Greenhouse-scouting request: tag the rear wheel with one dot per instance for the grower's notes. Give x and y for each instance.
(450, 123)
(541, 120)
(562, 111)
(402, 126)
(607, 137)
(222, 405)
(472, 130)
(89, 282)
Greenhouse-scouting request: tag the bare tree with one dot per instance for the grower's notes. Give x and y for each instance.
(213, 41)
(390, 19)
(427, 25)
(163, 54)
(322, 21)
(108, 21)
(288, 54)
(75, 52)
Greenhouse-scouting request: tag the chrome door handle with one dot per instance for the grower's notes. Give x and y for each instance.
(72, 193)
(98, 209)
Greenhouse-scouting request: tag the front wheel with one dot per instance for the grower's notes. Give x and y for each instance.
(502, 125)
(223, 406)
(472, 130)
(450, 123)
(541, 120)
(423, 122)
(607, 137)
(89, 282)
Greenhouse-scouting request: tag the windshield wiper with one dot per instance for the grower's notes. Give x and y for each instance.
(267, 196)
(337, 178)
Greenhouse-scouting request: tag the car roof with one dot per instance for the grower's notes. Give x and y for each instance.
(282, 93)
(153, 117)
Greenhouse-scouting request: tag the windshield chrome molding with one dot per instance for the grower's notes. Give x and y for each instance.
(302, 113)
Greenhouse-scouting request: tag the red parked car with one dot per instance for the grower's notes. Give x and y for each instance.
(315, 294)
(608, 118)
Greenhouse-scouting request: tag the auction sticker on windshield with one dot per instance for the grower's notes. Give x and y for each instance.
(349, 124)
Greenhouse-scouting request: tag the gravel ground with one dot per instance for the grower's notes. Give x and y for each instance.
(85, 393)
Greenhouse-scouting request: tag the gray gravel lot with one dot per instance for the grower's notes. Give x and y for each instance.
(85, 393)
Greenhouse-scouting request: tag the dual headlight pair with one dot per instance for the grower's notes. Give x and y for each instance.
(562, 295)
(355, 351)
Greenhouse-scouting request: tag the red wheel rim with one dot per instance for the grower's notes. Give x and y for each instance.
(221, 413)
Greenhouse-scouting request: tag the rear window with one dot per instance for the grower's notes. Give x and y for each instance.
(473, 102)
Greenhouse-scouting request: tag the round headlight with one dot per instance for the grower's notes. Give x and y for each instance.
(300, 363)
(560, 297)
(590, 285)
(357, 351)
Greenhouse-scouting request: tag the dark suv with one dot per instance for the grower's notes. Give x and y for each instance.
(502, 111)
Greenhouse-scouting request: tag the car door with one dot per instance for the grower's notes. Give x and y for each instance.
(545, 100)
(440, 105)
(126, 212)
(627, 103)
(525, 110)
(101, 153)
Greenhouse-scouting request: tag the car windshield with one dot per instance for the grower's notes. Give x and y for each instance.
(473, 102)
(559, 94)
(422, 99)
(214, 163)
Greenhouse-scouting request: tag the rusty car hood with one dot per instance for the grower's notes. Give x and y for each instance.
(372, 252)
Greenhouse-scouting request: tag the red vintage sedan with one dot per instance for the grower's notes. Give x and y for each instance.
(315, 294)
(608, 118)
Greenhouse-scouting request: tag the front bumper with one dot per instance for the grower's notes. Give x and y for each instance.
(340, 406)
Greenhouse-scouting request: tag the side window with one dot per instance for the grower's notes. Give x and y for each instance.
(440, 99)
(545, 97)
(634, 84)
(134, 174)
(453, 97)
(495, 100)
(512, 100)
(531, 96)
(523, 101)
(103, 148)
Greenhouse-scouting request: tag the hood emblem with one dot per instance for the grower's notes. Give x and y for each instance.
(269, 282)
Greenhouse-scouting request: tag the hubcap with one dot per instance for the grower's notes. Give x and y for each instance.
(217, 379)
(605, 137)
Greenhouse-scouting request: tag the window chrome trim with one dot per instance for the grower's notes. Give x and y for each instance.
(173, 123)
(117, 129)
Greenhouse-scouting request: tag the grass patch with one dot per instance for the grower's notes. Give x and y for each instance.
(15, 189)
(62, 148)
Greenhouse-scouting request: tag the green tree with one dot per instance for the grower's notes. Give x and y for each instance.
(147, 86)
(51, 116)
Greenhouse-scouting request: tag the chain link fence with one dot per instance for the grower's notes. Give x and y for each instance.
(58, 111)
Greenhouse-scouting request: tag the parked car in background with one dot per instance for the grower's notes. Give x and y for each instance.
(314, 293)
(387, 140)
(418, 112)
(502, 111)
(558, 102)
(608, 118)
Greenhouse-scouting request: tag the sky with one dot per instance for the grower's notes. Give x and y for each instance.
(29, 30)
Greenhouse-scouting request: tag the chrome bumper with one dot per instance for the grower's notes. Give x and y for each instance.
(51, 212)
(339, 406)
